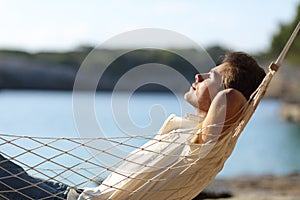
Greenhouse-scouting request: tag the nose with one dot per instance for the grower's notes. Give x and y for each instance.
(198, 78)
(201, 77)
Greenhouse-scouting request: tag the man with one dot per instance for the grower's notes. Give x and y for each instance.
(188, 152)
(171, 165)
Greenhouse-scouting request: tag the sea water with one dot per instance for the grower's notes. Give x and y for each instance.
(268, 145)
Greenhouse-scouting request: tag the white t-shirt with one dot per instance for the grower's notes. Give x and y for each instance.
(167, 167)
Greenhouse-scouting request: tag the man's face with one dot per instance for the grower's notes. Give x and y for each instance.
(205, 88)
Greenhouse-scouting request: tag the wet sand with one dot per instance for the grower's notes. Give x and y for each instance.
(265, 187)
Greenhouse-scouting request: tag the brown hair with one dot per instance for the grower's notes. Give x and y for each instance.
(243, 73)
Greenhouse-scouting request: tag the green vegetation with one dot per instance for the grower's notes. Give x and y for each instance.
(72, 58)
(68, 58)
(280, 38)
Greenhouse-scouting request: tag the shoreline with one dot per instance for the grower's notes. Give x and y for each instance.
(264, 187)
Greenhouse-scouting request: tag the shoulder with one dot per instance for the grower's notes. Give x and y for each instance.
(229, 101)
(234, 99)
(225, 110)
(231, 97)
(234, 94)
(227, 105)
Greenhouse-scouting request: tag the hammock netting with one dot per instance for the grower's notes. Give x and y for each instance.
(69, 161)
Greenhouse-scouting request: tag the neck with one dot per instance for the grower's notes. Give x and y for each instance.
(201, 113)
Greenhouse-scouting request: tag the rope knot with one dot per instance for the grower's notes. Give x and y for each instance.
(274, 67)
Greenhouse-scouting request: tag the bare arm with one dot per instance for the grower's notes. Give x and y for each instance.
(224, 110)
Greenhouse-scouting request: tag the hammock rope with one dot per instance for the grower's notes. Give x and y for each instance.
(83, 169)
(69, 161)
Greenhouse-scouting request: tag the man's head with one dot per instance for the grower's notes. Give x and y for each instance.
(243, 73)
(238, 71)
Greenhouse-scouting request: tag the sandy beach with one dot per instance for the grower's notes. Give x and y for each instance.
(267, 187)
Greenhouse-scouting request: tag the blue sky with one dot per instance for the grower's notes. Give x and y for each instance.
(36, 25)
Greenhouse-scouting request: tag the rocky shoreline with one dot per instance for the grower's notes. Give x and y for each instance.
(266, 187)
(290, 111)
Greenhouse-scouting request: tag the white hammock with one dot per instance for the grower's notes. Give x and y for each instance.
(66, 160)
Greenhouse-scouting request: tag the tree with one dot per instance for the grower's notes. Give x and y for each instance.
(280, 38)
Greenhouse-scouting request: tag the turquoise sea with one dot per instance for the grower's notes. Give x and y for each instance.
(268, 144)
